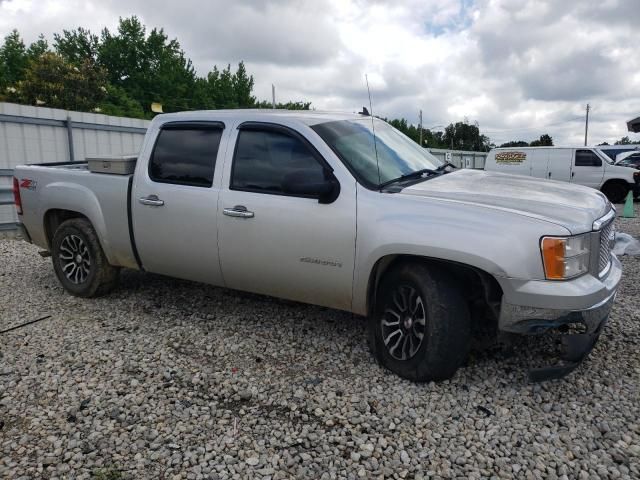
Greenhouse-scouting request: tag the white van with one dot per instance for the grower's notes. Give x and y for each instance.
(586, 166)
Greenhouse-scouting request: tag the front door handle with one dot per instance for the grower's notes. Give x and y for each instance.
(152, 200)
(239, 211)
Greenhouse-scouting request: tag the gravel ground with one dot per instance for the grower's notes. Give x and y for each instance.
(172, 379)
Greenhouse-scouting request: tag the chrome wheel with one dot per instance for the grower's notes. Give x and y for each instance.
(404, 323)
(74, 259)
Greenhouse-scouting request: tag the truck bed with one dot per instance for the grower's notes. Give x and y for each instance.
(103, 198)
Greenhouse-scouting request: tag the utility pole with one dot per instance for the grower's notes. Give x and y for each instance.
(421, 144)
(586, 125)
(273, 96)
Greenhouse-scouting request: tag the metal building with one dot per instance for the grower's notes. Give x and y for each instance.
(38, 135)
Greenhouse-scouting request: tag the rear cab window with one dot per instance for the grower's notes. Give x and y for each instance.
(185, 153)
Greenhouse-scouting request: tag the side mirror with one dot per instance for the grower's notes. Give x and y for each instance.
(312, 183)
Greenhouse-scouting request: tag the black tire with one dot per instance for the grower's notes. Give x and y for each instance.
(615, 191)
(446, 335)
(79, 262)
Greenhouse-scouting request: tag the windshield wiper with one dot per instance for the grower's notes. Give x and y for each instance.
(408, 176)
(445, 165)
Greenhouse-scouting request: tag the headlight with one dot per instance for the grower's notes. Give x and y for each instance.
(565, 257)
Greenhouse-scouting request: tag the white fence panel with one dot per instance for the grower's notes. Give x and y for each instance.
(42, 135)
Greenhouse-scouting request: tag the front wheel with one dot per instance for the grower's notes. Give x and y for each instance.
(79, 262)
(615, 192)
(420, 328)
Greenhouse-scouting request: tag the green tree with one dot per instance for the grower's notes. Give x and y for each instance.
(13, 60)
(285, 106)
(515, 143)
(466, 136)
(76, 46)
(53, 82)
(149, 68)
(544, 141)
(118, 103)
(37, 48)
(243, 86)
(626, 141)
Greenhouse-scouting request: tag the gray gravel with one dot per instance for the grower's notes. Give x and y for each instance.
(172, 379)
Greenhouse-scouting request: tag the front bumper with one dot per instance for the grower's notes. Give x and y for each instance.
(545, 316)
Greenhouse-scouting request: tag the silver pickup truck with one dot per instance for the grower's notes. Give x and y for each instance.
(339, 210)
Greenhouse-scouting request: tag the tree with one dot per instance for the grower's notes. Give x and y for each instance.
(120, 73)
(517, 143)
(626, 141)
(117, 102)
(53, 82)
(285, 106)
(466, 136)
(76, 46)
(13, 60)
(544, 141)
(37, 48)
(243, 86)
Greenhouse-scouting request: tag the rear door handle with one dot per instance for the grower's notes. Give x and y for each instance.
(239, 211)
(152, 200)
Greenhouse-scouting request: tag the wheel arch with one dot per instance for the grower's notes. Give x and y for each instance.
(477, 284)
(54, 217)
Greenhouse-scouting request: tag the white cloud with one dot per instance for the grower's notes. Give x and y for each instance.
(518, 67)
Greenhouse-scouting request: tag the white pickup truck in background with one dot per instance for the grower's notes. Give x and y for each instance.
(587, 166)
(324, 209)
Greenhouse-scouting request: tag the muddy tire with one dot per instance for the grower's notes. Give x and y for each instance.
(79, 262)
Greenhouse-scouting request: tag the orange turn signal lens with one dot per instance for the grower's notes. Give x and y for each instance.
(553, 257)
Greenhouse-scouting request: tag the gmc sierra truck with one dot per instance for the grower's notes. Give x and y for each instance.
(339, 210)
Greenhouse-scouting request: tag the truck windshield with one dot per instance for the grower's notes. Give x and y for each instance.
(397, 155)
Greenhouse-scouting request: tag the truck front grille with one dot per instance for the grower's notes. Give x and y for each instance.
(607, 238)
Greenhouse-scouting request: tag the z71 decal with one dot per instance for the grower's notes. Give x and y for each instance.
(28, 184)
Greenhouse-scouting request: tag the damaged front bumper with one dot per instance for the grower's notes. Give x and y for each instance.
(577, 328)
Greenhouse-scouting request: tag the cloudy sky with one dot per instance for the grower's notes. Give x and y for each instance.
(518, 67)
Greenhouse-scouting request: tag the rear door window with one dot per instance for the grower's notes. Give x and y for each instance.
(185, 155)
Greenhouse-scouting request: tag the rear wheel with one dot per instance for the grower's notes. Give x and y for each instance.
(420, 329)
(615, 191)
(79, 262)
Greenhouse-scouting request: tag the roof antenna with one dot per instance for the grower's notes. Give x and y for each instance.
(373, 127)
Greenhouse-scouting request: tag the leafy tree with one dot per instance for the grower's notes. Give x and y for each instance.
(544, 141)
(37, 48)
(76, 46)
(243, 86)
(120, 73)
(13, 60)
(117, 102)
(626, 141)
(149, 68)
(55, 83)
(286, 106)
(466, 136)
(516, 143)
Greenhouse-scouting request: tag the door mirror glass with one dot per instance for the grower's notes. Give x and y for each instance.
(312, 183)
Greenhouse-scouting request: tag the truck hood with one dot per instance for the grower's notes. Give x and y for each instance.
(572, 206)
